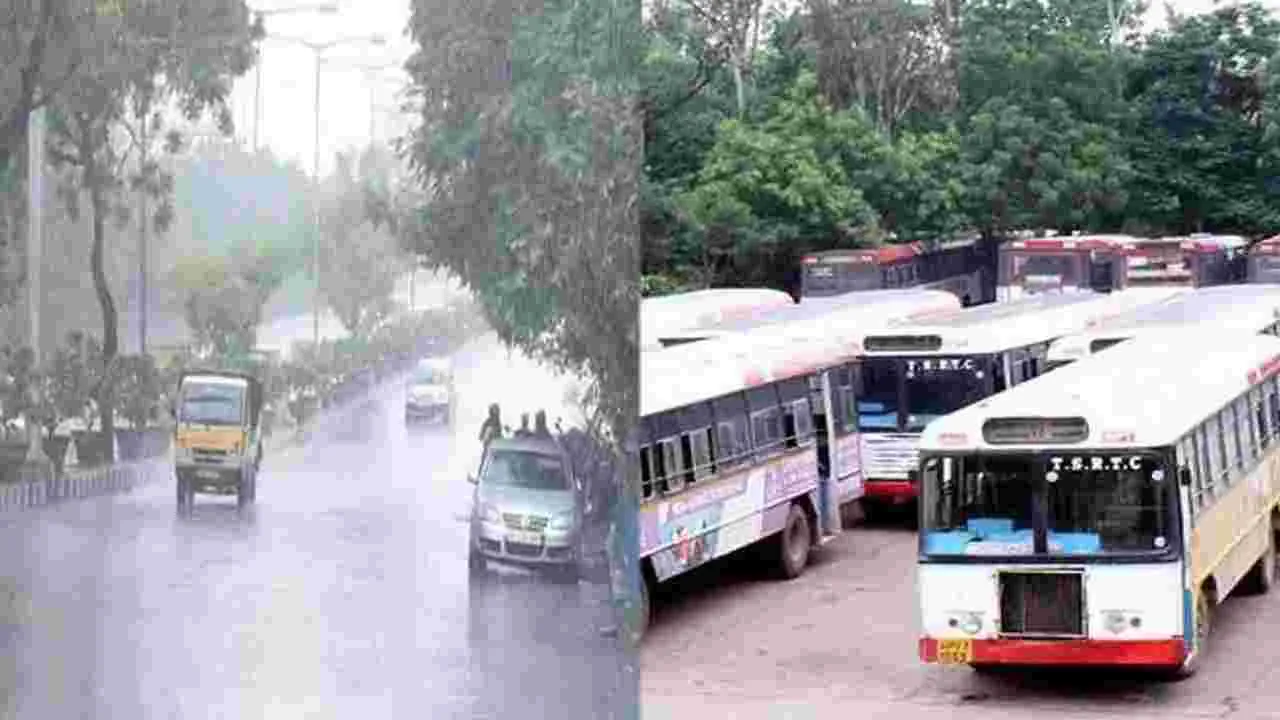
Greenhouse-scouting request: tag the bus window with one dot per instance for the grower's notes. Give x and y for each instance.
(1121, 503)
(732, 437)
(1275, 406)
(878, 405)
(647, 472)
(938, 386)
(1217, 452)
(989, 497)
(1262, 434)
(700, 453)
(672, 464)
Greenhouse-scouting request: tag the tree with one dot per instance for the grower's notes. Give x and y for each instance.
(222, 304)
(361, 261)
(769, 192)
(1206, 99)
(888, 57)
(1044, 115)
(145, 54)
(527, 163)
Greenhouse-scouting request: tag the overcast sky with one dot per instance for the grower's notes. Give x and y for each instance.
(288, 71)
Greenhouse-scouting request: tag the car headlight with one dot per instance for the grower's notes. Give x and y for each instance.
(490, 514)
(969, 622)
(561, 521)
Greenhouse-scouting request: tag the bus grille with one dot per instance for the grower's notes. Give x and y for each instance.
(1041, 604)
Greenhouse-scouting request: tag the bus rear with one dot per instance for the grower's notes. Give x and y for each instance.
(1073, 263)
(1200, 260)
(1263, 261)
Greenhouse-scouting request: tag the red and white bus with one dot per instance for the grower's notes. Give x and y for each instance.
(1263, 261)
(1057, 264)
(1199, 260)
(957, 267)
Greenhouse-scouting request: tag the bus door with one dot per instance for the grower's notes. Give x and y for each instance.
(821, 428)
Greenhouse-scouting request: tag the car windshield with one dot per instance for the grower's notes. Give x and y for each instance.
(212, 404)
(524, 469)
(1089, 504)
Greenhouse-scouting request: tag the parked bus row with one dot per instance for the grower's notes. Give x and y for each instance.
(1025, 265)
(764, 434)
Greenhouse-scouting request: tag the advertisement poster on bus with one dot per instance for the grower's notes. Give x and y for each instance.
(848, 467)
(703, 522)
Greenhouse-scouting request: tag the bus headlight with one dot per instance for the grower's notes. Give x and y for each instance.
(1117, 621)
(969, 622)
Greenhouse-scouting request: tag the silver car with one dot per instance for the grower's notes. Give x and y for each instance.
(429, 392)
(528, 507)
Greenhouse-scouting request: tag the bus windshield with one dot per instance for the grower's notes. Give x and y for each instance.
(831, 278)
(212, 404)
(906, 394)
(1082, 503)
(1040, 271)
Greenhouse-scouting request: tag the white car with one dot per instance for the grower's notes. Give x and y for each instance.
(429, 392)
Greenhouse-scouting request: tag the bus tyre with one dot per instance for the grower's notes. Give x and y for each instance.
(1263, 574)
(794, 544)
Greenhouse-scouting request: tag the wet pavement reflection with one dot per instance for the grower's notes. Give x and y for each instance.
(343, 593)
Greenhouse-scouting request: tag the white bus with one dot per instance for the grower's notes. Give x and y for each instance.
(736, 448)
(1246, 308)
(868, 308)
(916, 372)
(673, 313)
(1099, 514)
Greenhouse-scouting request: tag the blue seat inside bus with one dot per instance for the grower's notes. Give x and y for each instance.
(873, 415)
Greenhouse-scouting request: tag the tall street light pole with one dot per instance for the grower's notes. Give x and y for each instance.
(328, 8)
(319, 49)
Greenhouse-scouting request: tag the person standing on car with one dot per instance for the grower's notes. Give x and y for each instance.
(524, 426)
(540, 424)
(492, 426)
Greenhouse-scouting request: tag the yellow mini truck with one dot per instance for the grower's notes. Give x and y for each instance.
(217, 436)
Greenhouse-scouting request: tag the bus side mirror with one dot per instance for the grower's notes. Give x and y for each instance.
(1184, 476)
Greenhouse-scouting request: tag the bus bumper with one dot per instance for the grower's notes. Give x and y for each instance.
(999, 651)
(895, 492)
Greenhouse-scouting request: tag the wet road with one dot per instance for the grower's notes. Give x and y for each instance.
(343, 594)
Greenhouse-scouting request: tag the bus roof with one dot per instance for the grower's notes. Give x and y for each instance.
(1002, 326)
(1071, 242)
(1196, 241)
(1145, 393)
(887, 253)
(839, 310)
(1266, 246)
(1244, 308)
(696, 372)
(671, 313)
(206, 378)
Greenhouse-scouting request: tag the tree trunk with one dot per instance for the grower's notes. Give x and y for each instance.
(110, 332)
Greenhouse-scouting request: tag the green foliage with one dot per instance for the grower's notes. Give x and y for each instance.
(527, 162)
(1041, 113)
(768, 190)
(138, 382)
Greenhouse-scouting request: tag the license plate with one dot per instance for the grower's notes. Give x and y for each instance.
(955, 652)
(207, 474)
(526, 538)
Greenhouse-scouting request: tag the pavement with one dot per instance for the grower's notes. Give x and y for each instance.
(344, 593)
(840, 642)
